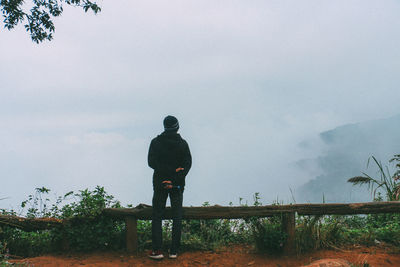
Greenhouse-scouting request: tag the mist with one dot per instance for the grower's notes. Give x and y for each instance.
(251, 84)
(348, 153)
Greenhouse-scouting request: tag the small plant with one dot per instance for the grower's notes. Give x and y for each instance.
(391, 184)
(87, 228)
(144, 234)
(267, 234)
(308, 232)
(209, 234)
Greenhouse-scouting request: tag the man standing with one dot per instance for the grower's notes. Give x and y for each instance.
(170, 157)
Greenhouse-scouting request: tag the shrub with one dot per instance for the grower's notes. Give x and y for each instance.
(208, 234)
(144, 234)
(86, 228)
(267, 234)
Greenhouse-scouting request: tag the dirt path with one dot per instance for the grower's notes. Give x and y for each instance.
(238, 256)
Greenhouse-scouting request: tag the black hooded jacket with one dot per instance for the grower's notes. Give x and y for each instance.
(167, 152)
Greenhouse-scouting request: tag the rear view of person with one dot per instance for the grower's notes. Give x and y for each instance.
(170, 157)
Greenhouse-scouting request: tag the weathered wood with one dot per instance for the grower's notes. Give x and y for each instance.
(143, 212)
(289, 227)
(348, 208)
(30, 224)
(211, 212)
(131, 234)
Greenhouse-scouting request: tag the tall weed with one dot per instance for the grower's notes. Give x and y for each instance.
(389, 183)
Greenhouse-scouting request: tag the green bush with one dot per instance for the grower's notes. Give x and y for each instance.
(144, 234)
(209, 234)
(307, 233)
(316, 232)
(86, 228)
(267, 234)
(28, 244)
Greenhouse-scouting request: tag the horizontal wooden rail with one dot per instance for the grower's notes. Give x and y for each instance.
(143, 212)
(210, 212)
(30, 224)
(348, 208)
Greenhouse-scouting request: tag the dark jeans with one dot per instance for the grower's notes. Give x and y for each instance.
(159, 200)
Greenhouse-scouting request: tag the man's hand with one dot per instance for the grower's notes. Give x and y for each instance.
(167, 184)
(179, 169)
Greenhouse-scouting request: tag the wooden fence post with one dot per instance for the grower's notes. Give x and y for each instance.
(289, 227)
(131, 234)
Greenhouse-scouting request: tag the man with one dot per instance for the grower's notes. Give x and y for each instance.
(170, 157)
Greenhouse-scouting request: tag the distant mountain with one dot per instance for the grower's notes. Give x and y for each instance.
(346, 153)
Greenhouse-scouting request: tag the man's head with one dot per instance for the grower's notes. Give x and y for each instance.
(171, 124)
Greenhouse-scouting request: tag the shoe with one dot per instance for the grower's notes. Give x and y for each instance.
(156, 255)
(173, 255)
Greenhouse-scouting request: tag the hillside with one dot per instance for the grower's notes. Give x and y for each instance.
(346, 151)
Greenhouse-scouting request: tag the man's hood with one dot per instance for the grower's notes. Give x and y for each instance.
(170, 138)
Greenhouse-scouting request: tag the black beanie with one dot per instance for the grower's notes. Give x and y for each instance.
(171, 123)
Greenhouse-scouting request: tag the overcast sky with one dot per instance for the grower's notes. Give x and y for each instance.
(248, 81)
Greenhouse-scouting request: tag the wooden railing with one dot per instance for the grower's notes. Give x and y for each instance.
(287, 212)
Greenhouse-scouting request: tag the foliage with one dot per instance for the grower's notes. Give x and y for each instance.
(316, 232)
(266, 233)
(3, 251)
(39, 18)
(87, 229)
(389, 183)
(144, 234)
(4, 254)
(28, 243)
(207, 234)
(307, 233)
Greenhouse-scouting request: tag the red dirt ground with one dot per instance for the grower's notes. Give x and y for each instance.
(237, 256)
